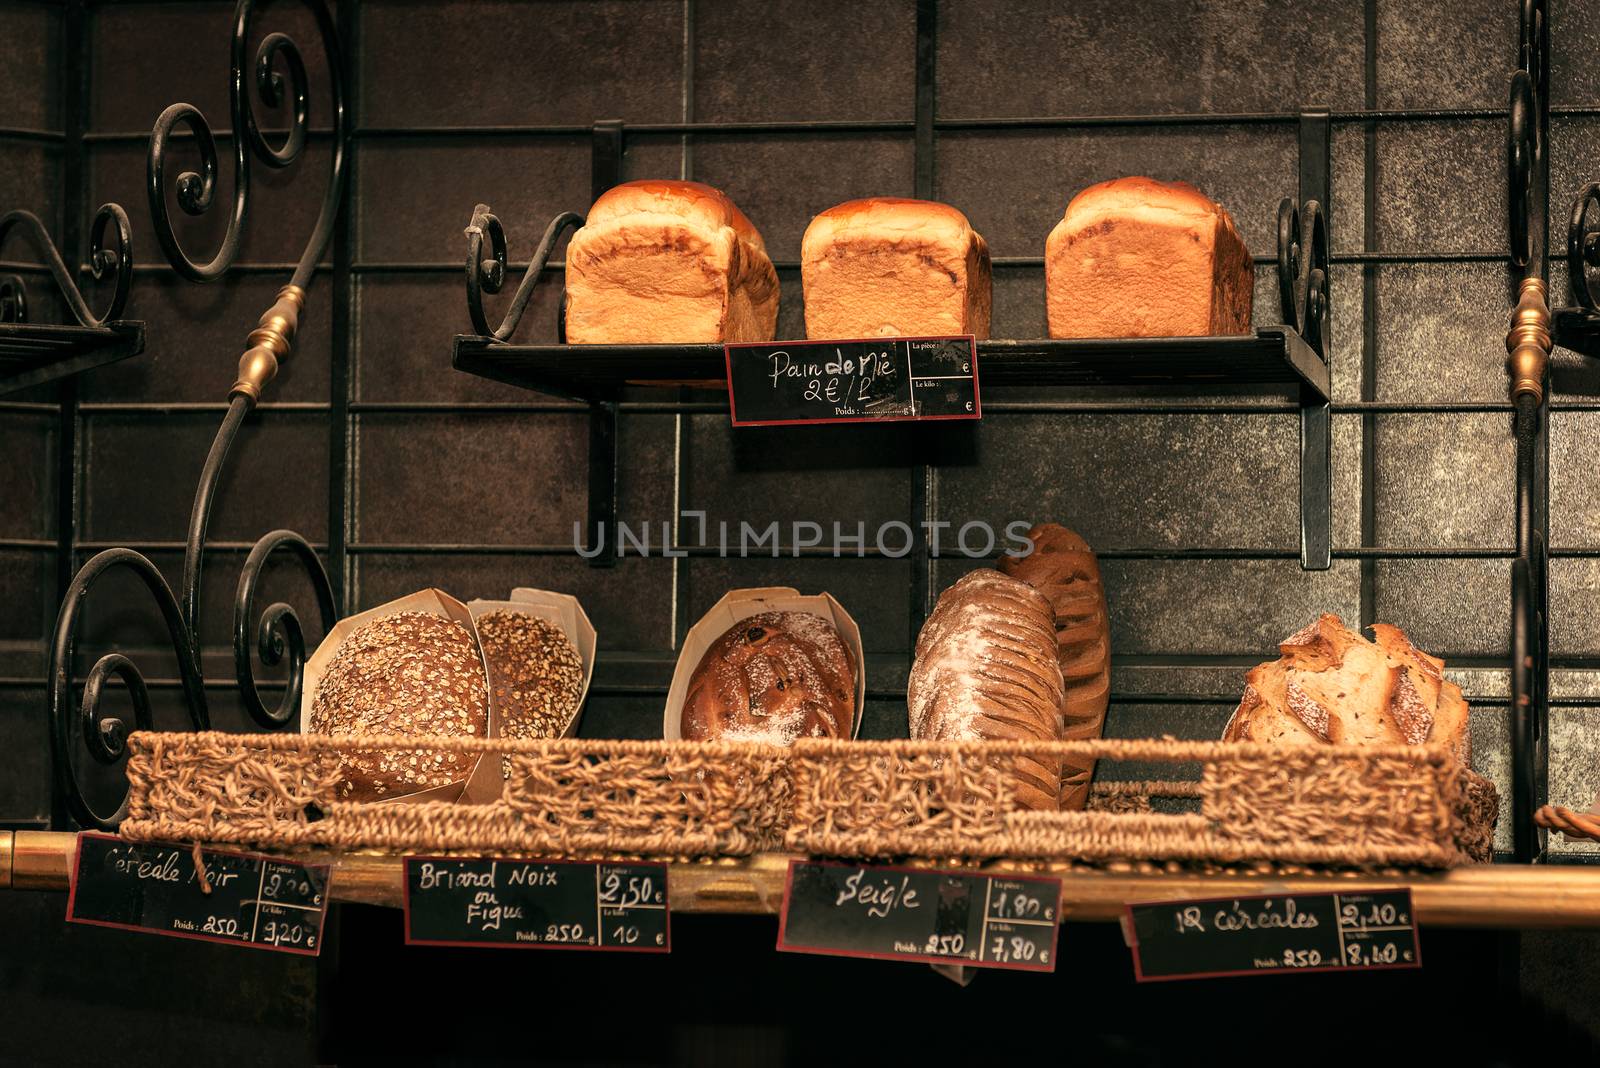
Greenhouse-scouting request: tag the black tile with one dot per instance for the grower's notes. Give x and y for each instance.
(874, 591)
(1015, 187)
(629, 604)
(1445, 480)
(1441, 187)
(1097, 58)
(28, 480)
(1450, 608)
(30, 79)
(1439, 328)
(756, 62)
(1574, 479)
(24, 732)
(500, 479)
(1574, 40)
(515, 64)
(140, 475)
(31, 181)
(1456, 55)
(27, 583)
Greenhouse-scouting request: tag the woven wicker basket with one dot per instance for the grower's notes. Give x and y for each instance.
(1367, 807)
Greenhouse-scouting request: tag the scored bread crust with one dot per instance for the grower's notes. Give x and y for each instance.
(890, 266)
(773, 677)
(986, 668)
(1332, 686)
(1137, 257)
(666, 261)
(1063, 568)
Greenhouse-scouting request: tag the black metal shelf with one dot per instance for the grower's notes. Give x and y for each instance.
(34, 353)
(1271, 356)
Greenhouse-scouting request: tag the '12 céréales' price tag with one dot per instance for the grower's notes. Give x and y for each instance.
(914, 914)
(876, 380)
(1355, 930)
(241, 898)
(482, 901)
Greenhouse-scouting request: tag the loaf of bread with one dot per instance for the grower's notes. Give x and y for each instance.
(986, 668)
(1063, 568)
(664, 261)
(1135, 257)
(1331, 685)
(773, 678)
(535, 672)
(407, 673)
(887, 267)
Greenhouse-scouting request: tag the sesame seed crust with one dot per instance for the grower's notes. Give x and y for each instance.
(536, 673)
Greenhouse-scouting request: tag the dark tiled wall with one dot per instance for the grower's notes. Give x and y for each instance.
(436, 458)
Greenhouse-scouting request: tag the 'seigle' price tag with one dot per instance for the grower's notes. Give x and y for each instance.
(941, 917)
(1354, 930)
(782, 383)
(240, 898)
(483, 901)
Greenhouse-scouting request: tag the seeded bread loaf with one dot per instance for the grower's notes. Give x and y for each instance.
(1331, 685)
(773, 677)
(888, 267)
(1135, 257)
(668, 261)
(986, 668)
(1063, 568)
(535, 671)
(403, 674)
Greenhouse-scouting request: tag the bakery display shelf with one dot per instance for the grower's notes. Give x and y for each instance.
(34, 353)
(1274, 355)
(1500, 895)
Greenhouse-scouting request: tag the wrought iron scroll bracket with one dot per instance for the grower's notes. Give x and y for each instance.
(278, 76)
(1303, 294)
(110, 256)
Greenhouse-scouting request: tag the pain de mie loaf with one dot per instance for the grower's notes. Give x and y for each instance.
(772, 678)
(888, 267)
(666, 261)
(986, 668)
(1063, 568)
(403, 674)
(1330, 685)
(1136, 257)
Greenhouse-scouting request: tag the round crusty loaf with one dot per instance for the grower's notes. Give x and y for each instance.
(409, 673)
(534, 670)
(986, 668)
(772, 678)
(694, 201)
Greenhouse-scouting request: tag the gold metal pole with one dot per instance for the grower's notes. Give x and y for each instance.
(1528, 341)
(270, 342)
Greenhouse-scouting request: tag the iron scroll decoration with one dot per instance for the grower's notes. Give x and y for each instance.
(1303, 271)
(278, 636)
(107, 259)
(1583, 245)
(488, 274)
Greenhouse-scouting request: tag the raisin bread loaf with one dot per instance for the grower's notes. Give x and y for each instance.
(986, 668)
(1063, 568)
(773, 678)
(1331, 685)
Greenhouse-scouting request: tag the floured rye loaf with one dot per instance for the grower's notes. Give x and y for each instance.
(666, 261)
(887, 267)
(409, 673)
(1333, 686)
(986, 668)
(772, 678)
(1063, 568)
(536, 673)
(1135, 257)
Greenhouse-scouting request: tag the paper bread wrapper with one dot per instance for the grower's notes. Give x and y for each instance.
(564, 611)
(742, 604)
(482, 784)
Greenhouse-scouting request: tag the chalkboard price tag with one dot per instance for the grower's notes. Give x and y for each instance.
(482, 901)
(914, 914)
(881, 379)
(243, 899)
(1353, 931)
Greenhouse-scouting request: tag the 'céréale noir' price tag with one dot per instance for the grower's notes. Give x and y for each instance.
(1354, 930)
(914, 914)
(778, 383)
(241, 898)
(482, 901)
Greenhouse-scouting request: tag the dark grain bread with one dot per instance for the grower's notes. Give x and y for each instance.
(1063, 568)
(536, 673)
(772, 678)
(986, 668)
(409, 673)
